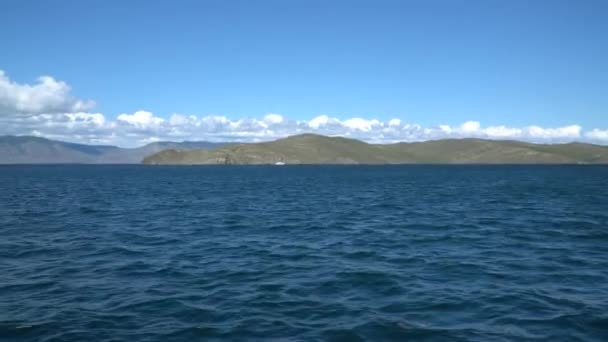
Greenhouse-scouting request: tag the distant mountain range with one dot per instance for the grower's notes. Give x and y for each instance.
(318, 149)
(301, 149)
(35, 150)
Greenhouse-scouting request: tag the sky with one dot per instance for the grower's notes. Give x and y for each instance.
(132, 72)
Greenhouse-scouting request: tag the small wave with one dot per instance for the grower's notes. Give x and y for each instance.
(306, 254)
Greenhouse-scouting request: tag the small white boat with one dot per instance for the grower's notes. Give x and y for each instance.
(279, 163)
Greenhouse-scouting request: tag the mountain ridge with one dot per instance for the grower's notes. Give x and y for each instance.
(318, 149)
(38, 150)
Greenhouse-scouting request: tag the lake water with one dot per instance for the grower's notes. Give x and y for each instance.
(325, 253)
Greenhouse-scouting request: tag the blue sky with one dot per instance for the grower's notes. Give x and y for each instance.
(512, 63)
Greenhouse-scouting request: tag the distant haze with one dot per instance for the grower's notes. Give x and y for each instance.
(34, 150)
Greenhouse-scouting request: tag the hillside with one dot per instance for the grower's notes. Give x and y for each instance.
(35, 150)
(317, 149)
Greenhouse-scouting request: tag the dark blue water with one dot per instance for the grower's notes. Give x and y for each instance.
(425, 253)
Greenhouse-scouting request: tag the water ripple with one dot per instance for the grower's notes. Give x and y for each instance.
(424, 253)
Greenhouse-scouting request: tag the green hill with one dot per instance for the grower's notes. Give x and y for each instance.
(318, 149)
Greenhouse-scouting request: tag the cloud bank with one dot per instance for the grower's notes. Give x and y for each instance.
(48, 109)
(45, 97)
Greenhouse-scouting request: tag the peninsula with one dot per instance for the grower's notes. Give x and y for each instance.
(319, 149)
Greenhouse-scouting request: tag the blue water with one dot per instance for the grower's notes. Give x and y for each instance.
(352, 253)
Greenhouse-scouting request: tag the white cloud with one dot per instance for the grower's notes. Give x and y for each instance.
(445, 129)
(573, 131)
(503, 132)
(178, 120)
(141, 119)
(361, 124)
(46, 96)
(394, 123)
(598, 135)
(143, 127)
(529, 133)
(88, 119)
(273, 119)
(47, 109)
(319, 121)
(470, 127)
